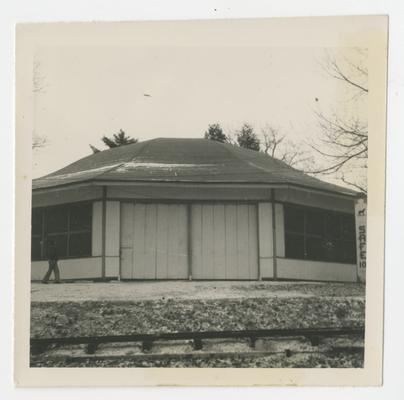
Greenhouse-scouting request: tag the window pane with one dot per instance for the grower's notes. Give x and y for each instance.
(332, 226)
(294, 219)
(348, 227)
(315, 222)
(332, 250)
(60, 244)
(36, 221)
(314, 248)
(80, 244)
(294, 246)
(80, 217)
(36, 248)
(56, 219)
(349, 252)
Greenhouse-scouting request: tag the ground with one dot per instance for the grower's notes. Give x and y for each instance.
(123, 308)
(155, 290)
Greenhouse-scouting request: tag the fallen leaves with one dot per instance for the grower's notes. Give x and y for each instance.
(90, 318)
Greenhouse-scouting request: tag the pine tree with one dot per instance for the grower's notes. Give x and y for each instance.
(118, 139)
(247, 138)
(215, 132)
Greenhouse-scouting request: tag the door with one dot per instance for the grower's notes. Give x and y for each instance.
(154, 241)
(224, 241)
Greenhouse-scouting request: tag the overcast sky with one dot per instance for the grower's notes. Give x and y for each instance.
(91, 91)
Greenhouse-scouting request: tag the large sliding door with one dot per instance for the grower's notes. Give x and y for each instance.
(224, 241)
(223, 244)
(154, 241)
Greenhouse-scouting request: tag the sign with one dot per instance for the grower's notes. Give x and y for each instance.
(360, 223)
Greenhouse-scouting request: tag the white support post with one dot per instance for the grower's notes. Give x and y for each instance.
(360, 223)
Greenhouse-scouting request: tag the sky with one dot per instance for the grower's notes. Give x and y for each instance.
(90, 91)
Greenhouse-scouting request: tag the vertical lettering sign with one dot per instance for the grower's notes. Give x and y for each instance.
(360, 222)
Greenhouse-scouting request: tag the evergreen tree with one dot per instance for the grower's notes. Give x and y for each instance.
(215, 132)
(118, 139)
(247, 138)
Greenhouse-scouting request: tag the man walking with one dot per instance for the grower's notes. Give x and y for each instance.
(53, 262)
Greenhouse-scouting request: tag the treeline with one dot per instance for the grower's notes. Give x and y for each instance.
(269, 141)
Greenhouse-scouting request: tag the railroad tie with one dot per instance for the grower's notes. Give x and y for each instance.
(197, 344)
(147, 345)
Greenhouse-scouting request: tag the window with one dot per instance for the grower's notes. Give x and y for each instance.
(319, 235)
(68, 226)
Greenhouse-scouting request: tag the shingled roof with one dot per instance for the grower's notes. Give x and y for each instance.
(183, 161)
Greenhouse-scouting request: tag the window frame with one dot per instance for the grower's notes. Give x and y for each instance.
(305, 235)
(68, 232)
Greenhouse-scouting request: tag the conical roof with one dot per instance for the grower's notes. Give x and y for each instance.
(183, 161)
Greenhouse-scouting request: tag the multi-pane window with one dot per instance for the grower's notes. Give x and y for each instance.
(68, 226)
(319, 235)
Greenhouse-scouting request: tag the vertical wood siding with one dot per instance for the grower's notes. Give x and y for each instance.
(266, 240)
(126, 240)
(280, 230)
(224, 241)
(112, 229)
(154, 241)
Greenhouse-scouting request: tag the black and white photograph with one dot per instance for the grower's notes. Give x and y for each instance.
(200, 193)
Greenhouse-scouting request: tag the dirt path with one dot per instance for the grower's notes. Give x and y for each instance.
(155, 290)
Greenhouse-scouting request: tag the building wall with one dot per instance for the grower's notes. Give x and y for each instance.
(268, 216)
(224, 241)
(74, 268)
(309, 198)
(282, 268)
(91, 267)
(187, 193)
(154, 241)
(265, 237)
(315, 270)
(64, 196)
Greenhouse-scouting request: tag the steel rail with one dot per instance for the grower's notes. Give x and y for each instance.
(313, 334)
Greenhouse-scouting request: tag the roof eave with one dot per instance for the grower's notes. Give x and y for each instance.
(274, 185)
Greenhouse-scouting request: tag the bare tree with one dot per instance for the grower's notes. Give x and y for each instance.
(38, 86)
(271, 140)
(39, 141)
(39, 83)
(353, 74)
(277, 145)
(344, 141)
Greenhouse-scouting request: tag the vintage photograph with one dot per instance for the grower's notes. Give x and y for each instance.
(199, 203)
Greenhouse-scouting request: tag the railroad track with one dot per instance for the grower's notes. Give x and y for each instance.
(200, 345)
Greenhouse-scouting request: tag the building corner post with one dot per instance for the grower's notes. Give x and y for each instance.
(189, 244)
(275, 272)
(103, 230)
(361, 238)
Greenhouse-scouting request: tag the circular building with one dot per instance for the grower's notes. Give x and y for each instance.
(192, 209)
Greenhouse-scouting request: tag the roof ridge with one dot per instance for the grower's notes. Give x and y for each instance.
(255, 153)
(229, 150)
(144, 144)
(251, 163)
